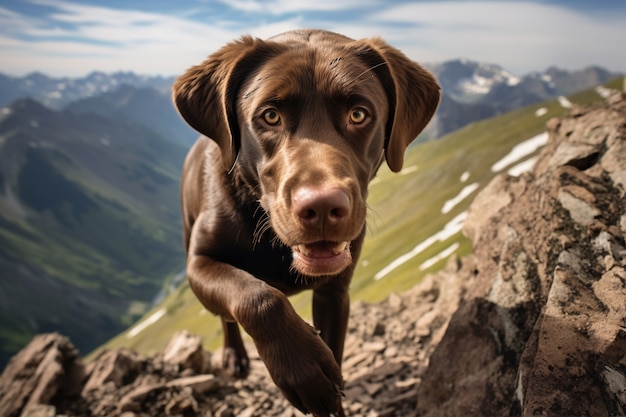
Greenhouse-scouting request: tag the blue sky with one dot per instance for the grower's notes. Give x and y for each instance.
(75, 37)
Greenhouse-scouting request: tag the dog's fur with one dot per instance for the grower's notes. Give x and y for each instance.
(274, 193)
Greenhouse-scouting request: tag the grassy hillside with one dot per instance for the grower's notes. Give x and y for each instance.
(405, 215)
(89, 224)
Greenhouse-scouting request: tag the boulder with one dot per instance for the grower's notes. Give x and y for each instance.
(541, 327)
(44, 370)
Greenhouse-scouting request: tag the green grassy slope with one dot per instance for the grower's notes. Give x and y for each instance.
(89, 224)
(405, 211)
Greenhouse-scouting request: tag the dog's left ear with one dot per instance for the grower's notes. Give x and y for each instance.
(413, 95)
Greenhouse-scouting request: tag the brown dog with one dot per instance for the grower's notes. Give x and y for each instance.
(274, 193)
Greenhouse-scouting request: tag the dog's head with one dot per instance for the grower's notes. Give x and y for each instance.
(307, 118)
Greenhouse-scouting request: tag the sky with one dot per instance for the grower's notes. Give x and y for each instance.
(164, 37)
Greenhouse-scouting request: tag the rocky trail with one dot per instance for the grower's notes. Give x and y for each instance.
(533, 323)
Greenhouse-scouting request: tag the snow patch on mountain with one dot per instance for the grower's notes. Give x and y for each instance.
(521, 151)
(484, 77)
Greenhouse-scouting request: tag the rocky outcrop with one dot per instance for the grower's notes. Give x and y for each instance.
(533, 323)
(541, 326)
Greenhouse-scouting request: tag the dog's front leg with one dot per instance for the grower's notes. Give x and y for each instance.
(331, 309)
(235, 360)
(298, 360)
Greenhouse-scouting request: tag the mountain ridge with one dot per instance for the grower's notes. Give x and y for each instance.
(473, 89)
(140, 105)
(57, 92)
(88, 215)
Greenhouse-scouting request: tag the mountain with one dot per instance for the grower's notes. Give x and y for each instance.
(475, 91)
(89, 223)
(471, 91)
(56, 93)
(123, 96)
(468, 81)
(140, 105)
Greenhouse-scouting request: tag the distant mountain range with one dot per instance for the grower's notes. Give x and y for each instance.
(89, 206)
(56, 93)
(474, 91)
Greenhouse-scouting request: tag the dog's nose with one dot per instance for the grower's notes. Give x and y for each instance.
(319, 206)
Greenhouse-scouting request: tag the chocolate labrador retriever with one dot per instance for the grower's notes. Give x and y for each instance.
(274, 193)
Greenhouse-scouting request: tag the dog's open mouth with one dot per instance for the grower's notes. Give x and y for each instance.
(321, 258)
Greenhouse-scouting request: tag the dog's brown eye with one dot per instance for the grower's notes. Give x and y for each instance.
(357, 116)
(271, 117)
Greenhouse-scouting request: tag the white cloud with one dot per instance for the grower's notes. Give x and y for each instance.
(111, 40)
(521, 36)
(282, 7)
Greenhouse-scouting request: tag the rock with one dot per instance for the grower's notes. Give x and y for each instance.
(116, 366)
(40, 410)
(540, 330)
(375, 347)
(185, 350)
(133, 401)
(183, 403)
(47, 367)
(199, 383)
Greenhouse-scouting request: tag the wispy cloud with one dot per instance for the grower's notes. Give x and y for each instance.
(77, 37)
(68, 37)
(527, 35)
(283, 7)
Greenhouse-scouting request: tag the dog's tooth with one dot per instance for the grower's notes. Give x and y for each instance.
(303, 250)
(340, 247)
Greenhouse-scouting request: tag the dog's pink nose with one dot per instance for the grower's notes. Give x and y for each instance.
(320, 207)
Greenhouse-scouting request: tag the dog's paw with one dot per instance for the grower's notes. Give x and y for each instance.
(231, 363)
(305, 370)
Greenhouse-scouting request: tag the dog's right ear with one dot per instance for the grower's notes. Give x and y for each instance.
(206, 95)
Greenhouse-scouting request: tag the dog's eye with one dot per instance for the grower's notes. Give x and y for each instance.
(271, 117)
(357, 115)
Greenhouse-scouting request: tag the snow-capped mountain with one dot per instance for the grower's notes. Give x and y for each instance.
(56, 93)
(472, 91)
(468, 81)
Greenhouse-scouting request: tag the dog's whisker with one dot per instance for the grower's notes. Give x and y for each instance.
(373, 219)
(299, 278)
(370, 69)
(262, 227)
(275, 241)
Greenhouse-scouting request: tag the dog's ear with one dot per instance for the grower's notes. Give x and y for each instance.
(413, 95)
(206, 95)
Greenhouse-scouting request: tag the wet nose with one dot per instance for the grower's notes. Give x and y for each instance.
(320, 206)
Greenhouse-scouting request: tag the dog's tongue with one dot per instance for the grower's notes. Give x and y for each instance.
(322, 250)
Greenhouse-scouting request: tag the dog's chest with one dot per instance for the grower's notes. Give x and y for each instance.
(272, 264)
